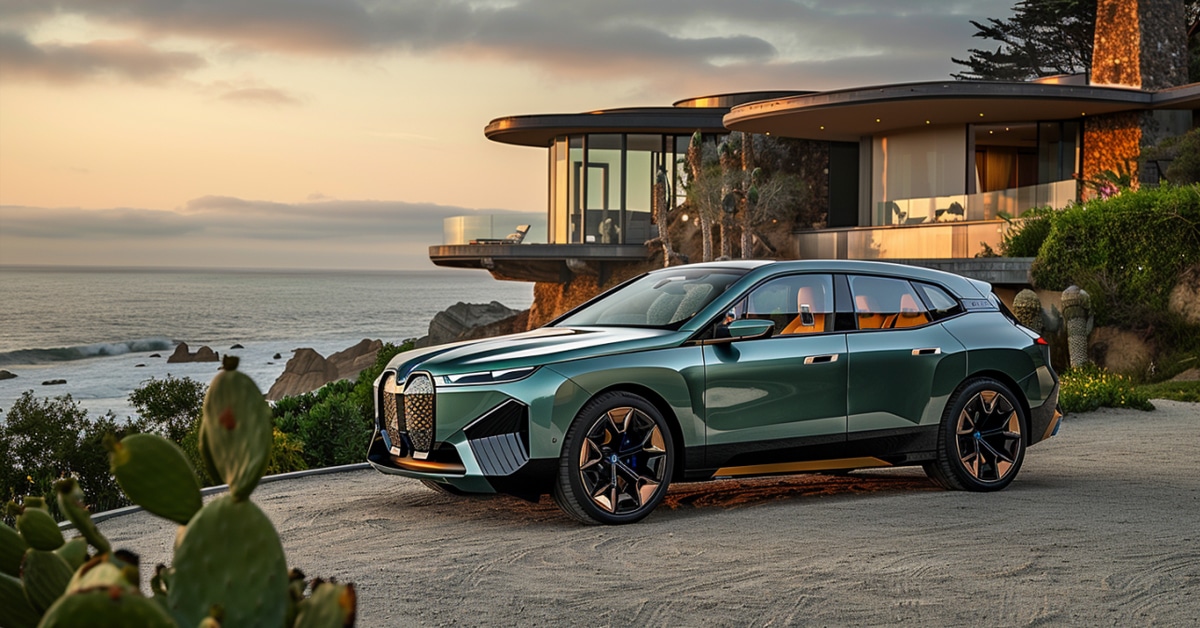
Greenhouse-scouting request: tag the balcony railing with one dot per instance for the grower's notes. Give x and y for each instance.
(466, 229)
(974, 207)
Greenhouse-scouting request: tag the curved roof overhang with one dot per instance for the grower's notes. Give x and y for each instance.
(848, 115)
(540, 130)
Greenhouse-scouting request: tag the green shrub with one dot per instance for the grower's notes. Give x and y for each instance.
(1028, 232)
(335, 422)
(1126, 251)
(171, 406)
(45, 439)
(1086, 388)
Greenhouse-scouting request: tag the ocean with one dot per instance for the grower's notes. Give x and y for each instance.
(100, 328)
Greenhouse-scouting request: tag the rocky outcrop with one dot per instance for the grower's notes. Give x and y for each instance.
(7, 375)
(351, 361)
(305, 372)
(54, 382)
(308, 370)
(182, 354)
(1121, 350)
(1185, 296)
(460, 319)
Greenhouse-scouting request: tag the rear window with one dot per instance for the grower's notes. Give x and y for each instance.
(941, 305)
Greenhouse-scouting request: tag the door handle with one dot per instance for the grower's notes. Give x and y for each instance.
(821, 359)
(928, 351)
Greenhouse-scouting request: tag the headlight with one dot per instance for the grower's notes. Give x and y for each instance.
(488, 377)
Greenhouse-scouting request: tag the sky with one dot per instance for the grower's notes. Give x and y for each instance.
(340, 133)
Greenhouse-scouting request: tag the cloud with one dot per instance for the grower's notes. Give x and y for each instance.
(260, 96)
(72, 63)
(676, 41)
(231, 231)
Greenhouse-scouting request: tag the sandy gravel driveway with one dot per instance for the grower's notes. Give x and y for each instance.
(1101, 528)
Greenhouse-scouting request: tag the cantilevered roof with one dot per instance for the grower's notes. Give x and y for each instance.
(703, 113)
(847, 115)
(540, 130)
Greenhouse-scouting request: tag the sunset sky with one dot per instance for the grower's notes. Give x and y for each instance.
(339, 133)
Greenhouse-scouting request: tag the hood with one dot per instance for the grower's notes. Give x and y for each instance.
(537, 347)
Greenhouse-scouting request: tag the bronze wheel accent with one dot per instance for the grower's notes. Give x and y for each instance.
(988, 437)
(622, 460)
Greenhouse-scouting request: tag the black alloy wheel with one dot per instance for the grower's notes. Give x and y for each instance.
(616, 461)
(981, 443)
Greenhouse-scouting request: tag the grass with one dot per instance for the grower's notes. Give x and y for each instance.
(1175, 391)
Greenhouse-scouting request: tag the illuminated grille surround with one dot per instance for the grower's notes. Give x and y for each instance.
(419, 411)
(393, 412)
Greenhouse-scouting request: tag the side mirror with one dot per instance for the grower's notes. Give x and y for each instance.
(744, 329)
(750, 328)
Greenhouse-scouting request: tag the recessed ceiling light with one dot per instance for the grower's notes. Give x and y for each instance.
(877, 119)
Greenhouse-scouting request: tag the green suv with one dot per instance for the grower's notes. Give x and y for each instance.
(725, 369)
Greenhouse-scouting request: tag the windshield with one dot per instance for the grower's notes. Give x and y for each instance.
(665, 299)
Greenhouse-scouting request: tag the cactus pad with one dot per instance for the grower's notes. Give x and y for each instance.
(103, 607)
(230, 556)
(70, 502)
(156, 475)
(45, 575)
(15, 609)
(12, 550)
(331, 605)
(236, 432)
(75, 552)
(38, 529)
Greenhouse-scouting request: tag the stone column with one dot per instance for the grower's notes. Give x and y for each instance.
(1139, 44)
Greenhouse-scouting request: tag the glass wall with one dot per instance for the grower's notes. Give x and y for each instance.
(602, 186)
(973, 173)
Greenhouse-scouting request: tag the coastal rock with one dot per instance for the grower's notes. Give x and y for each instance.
(353, 360)
(54, 382)
(203, 354)
(7, 375)
(155, 355)
(139, 365)
(278, 356)
(459, 319)
(236, 346)
(308, 370)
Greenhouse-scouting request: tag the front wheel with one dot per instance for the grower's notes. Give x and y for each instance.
(981, 442)
(616, 462)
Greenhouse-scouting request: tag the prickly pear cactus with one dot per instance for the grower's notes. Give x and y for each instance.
(1027, 307)
(236, 429)
(1077, 314)
(156, 475)
(229, 567)
(230, 555)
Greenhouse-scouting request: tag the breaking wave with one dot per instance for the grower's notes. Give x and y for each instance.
(100, 349)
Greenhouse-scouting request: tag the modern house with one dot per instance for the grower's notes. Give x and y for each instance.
(915, 171)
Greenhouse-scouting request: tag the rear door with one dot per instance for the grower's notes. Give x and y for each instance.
(902, 364)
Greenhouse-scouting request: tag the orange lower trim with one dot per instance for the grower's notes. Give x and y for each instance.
(801, 467)
(412, 464)
(1053, 424)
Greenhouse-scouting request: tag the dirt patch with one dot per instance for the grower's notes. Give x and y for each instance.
(1098, 529)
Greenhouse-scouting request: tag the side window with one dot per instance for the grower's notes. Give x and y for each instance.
(883, 303)
(941, 305)
(797, 304)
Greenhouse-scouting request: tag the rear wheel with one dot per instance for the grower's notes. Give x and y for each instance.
(981, 442)
(616, 461)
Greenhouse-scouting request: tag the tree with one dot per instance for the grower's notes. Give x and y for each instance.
(1048, 37)
(1042, 38)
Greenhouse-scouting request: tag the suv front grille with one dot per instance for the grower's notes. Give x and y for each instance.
(393, 410)
(418, 411)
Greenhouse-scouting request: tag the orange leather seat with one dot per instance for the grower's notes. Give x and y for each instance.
(807, 298)
(868, 316)
(910, 314)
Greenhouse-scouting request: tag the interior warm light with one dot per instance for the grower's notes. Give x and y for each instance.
(991, 132)
(684, 217)
(927, 122)
(980, 114)
(877, 119)
(822, 127)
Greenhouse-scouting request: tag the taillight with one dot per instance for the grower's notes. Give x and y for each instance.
(1041, 341)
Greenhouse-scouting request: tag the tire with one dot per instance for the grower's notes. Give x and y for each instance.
(616, 462)
(981, 441)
